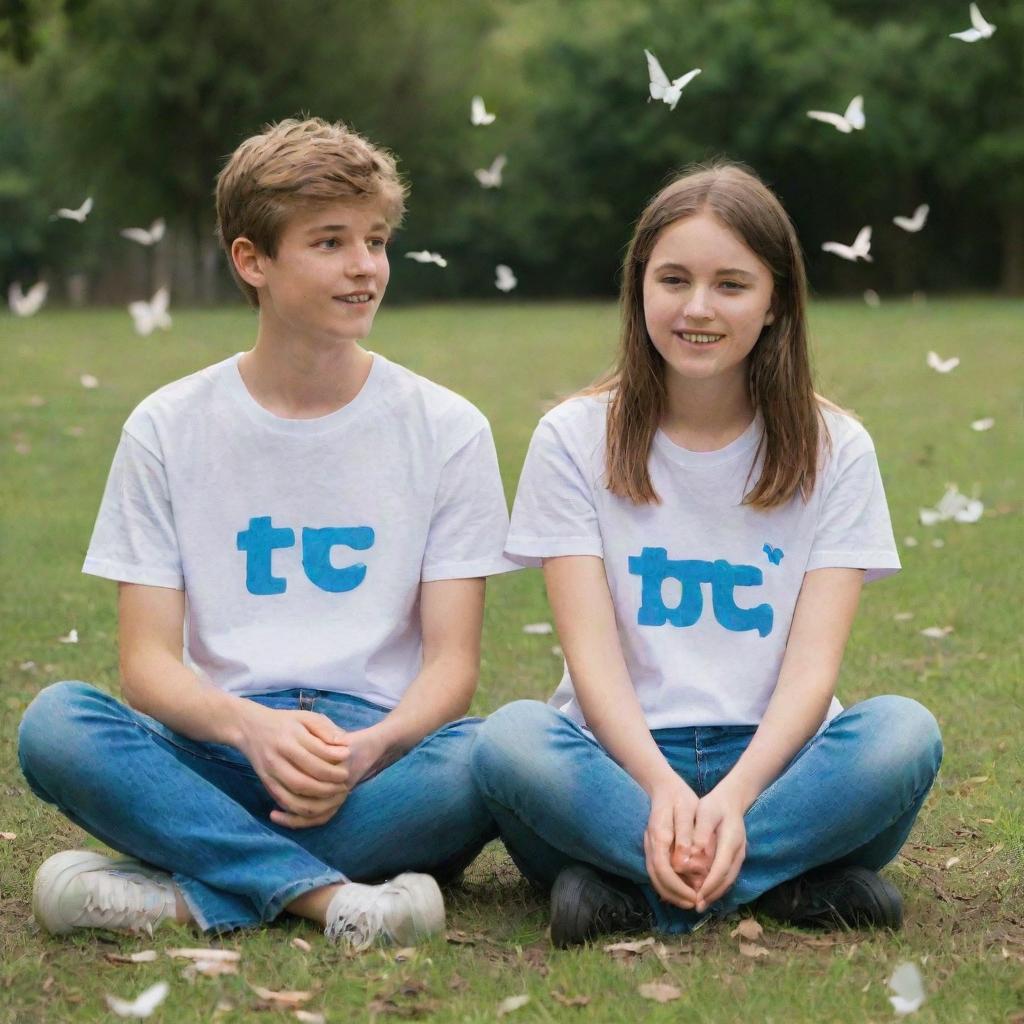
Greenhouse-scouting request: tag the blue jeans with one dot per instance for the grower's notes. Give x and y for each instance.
(199, 811)
(849, 796)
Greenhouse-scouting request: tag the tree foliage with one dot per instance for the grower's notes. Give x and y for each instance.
(138, 102)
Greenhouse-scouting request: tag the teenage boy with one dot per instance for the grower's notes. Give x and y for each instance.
(316, 521)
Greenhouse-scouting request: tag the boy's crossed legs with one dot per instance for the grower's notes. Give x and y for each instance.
(200, 812)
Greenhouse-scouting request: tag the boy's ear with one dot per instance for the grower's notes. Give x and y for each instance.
(248, 262)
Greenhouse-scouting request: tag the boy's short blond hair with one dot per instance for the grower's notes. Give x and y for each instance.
(295, 165)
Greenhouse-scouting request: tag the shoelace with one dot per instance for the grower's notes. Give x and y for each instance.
(355, 915)
(116, 900)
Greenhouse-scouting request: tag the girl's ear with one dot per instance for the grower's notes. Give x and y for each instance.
(769, 317)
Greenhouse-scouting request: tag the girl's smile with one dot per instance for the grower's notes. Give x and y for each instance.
(707, 297)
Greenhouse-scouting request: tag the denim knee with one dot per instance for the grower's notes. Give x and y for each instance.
(511, 744)
(48, 729)
(907, 734)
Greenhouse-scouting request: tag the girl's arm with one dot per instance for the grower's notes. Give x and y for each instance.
(821, 626)
(585, 616)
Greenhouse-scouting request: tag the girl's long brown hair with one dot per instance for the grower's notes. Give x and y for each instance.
(780, 371)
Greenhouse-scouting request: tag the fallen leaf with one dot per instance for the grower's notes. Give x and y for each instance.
(205, 954)
(564, 1000)
(144, 956)
(457, 983)
(976, 780)
(143, 1005)
(460, 938)
(71, 638)
(511, 1004)
(557, 651)
(27, 666)
(748, 928)
(987, 821)
(222, 1007)
(660, 991)
(630, 947)
(952, 861)
(87, 380)
(937, 632)
(400, 956)
(284, 998)
(209, 968)
(8, 835)
(310, 1018)
(301, 944)
(903, 616)
(538, 628)
(910, 542)
(753, 950)
(48, 984)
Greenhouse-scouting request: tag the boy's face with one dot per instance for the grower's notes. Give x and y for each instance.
(329, 274)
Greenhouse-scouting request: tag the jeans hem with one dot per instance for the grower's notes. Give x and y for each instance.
(293, 890)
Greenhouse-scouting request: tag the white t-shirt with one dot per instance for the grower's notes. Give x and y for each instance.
(704, 587)
(301, 544)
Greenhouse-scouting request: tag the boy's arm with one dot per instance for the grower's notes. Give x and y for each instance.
(299, 756)
(451, 618)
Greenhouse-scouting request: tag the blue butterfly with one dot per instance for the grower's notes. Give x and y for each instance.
(774, 554)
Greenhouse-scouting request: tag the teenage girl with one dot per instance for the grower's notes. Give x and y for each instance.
(705, 522)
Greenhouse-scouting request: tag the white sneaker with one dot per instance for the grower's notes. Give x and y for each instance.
(81, 889)
(406, 910)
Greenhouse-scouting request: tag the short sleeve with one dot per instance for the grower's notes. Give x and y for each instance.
(134, 540)
(854, 529)
(470, 518)
(554, 511)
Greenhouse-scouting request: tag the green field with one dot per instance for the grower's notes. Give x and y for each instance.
(961, 873)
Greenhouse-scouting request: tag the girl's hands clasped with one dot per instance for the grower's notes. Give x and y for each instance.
(694, 846)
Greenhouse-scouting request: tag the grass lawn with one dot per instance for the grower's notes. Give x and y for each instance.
(961, 873)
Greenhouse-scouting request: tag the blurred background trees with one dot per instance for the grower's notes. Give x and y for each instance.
(137, 103)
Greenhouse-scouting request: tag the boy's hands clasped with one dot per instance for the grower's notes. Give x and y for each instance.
(307, 763)
(694, 846)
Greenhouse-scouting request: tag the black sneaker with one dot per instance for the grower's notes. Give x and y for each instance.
(835, 897)
(585, 904)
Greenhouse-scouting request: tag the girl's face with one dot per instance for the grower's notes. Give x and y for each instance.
(706, 298)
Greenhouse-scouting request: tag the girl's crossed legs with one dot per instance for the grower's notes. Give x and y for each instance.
(850, 796)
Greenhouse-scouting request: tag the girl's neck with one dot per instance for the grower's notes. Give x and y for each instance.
(304, 381)
(706, 415)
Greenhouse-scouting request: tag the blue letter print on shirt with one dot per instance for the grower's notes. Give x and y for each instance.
(258, 542)
(316, 556)
(654, 566)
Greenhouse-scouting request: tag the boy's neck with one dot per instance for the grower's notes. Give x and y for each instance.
(706, 415)
(303, 381)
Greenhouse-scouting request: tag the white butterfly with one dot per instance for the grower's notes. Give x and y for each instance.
(80, 214)
(942, 365)
(29, 303)
(150, 315)
(144, 237)
(872, 299)
(860, 250)
(490, 177)
(504, 280)
(852, 119)
(660, 86)
(952, 505)
(914, 223)
(981, 30)
(71, 638)
(478, 112)
(144, 1005)
(984, 424)
(425, 256)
